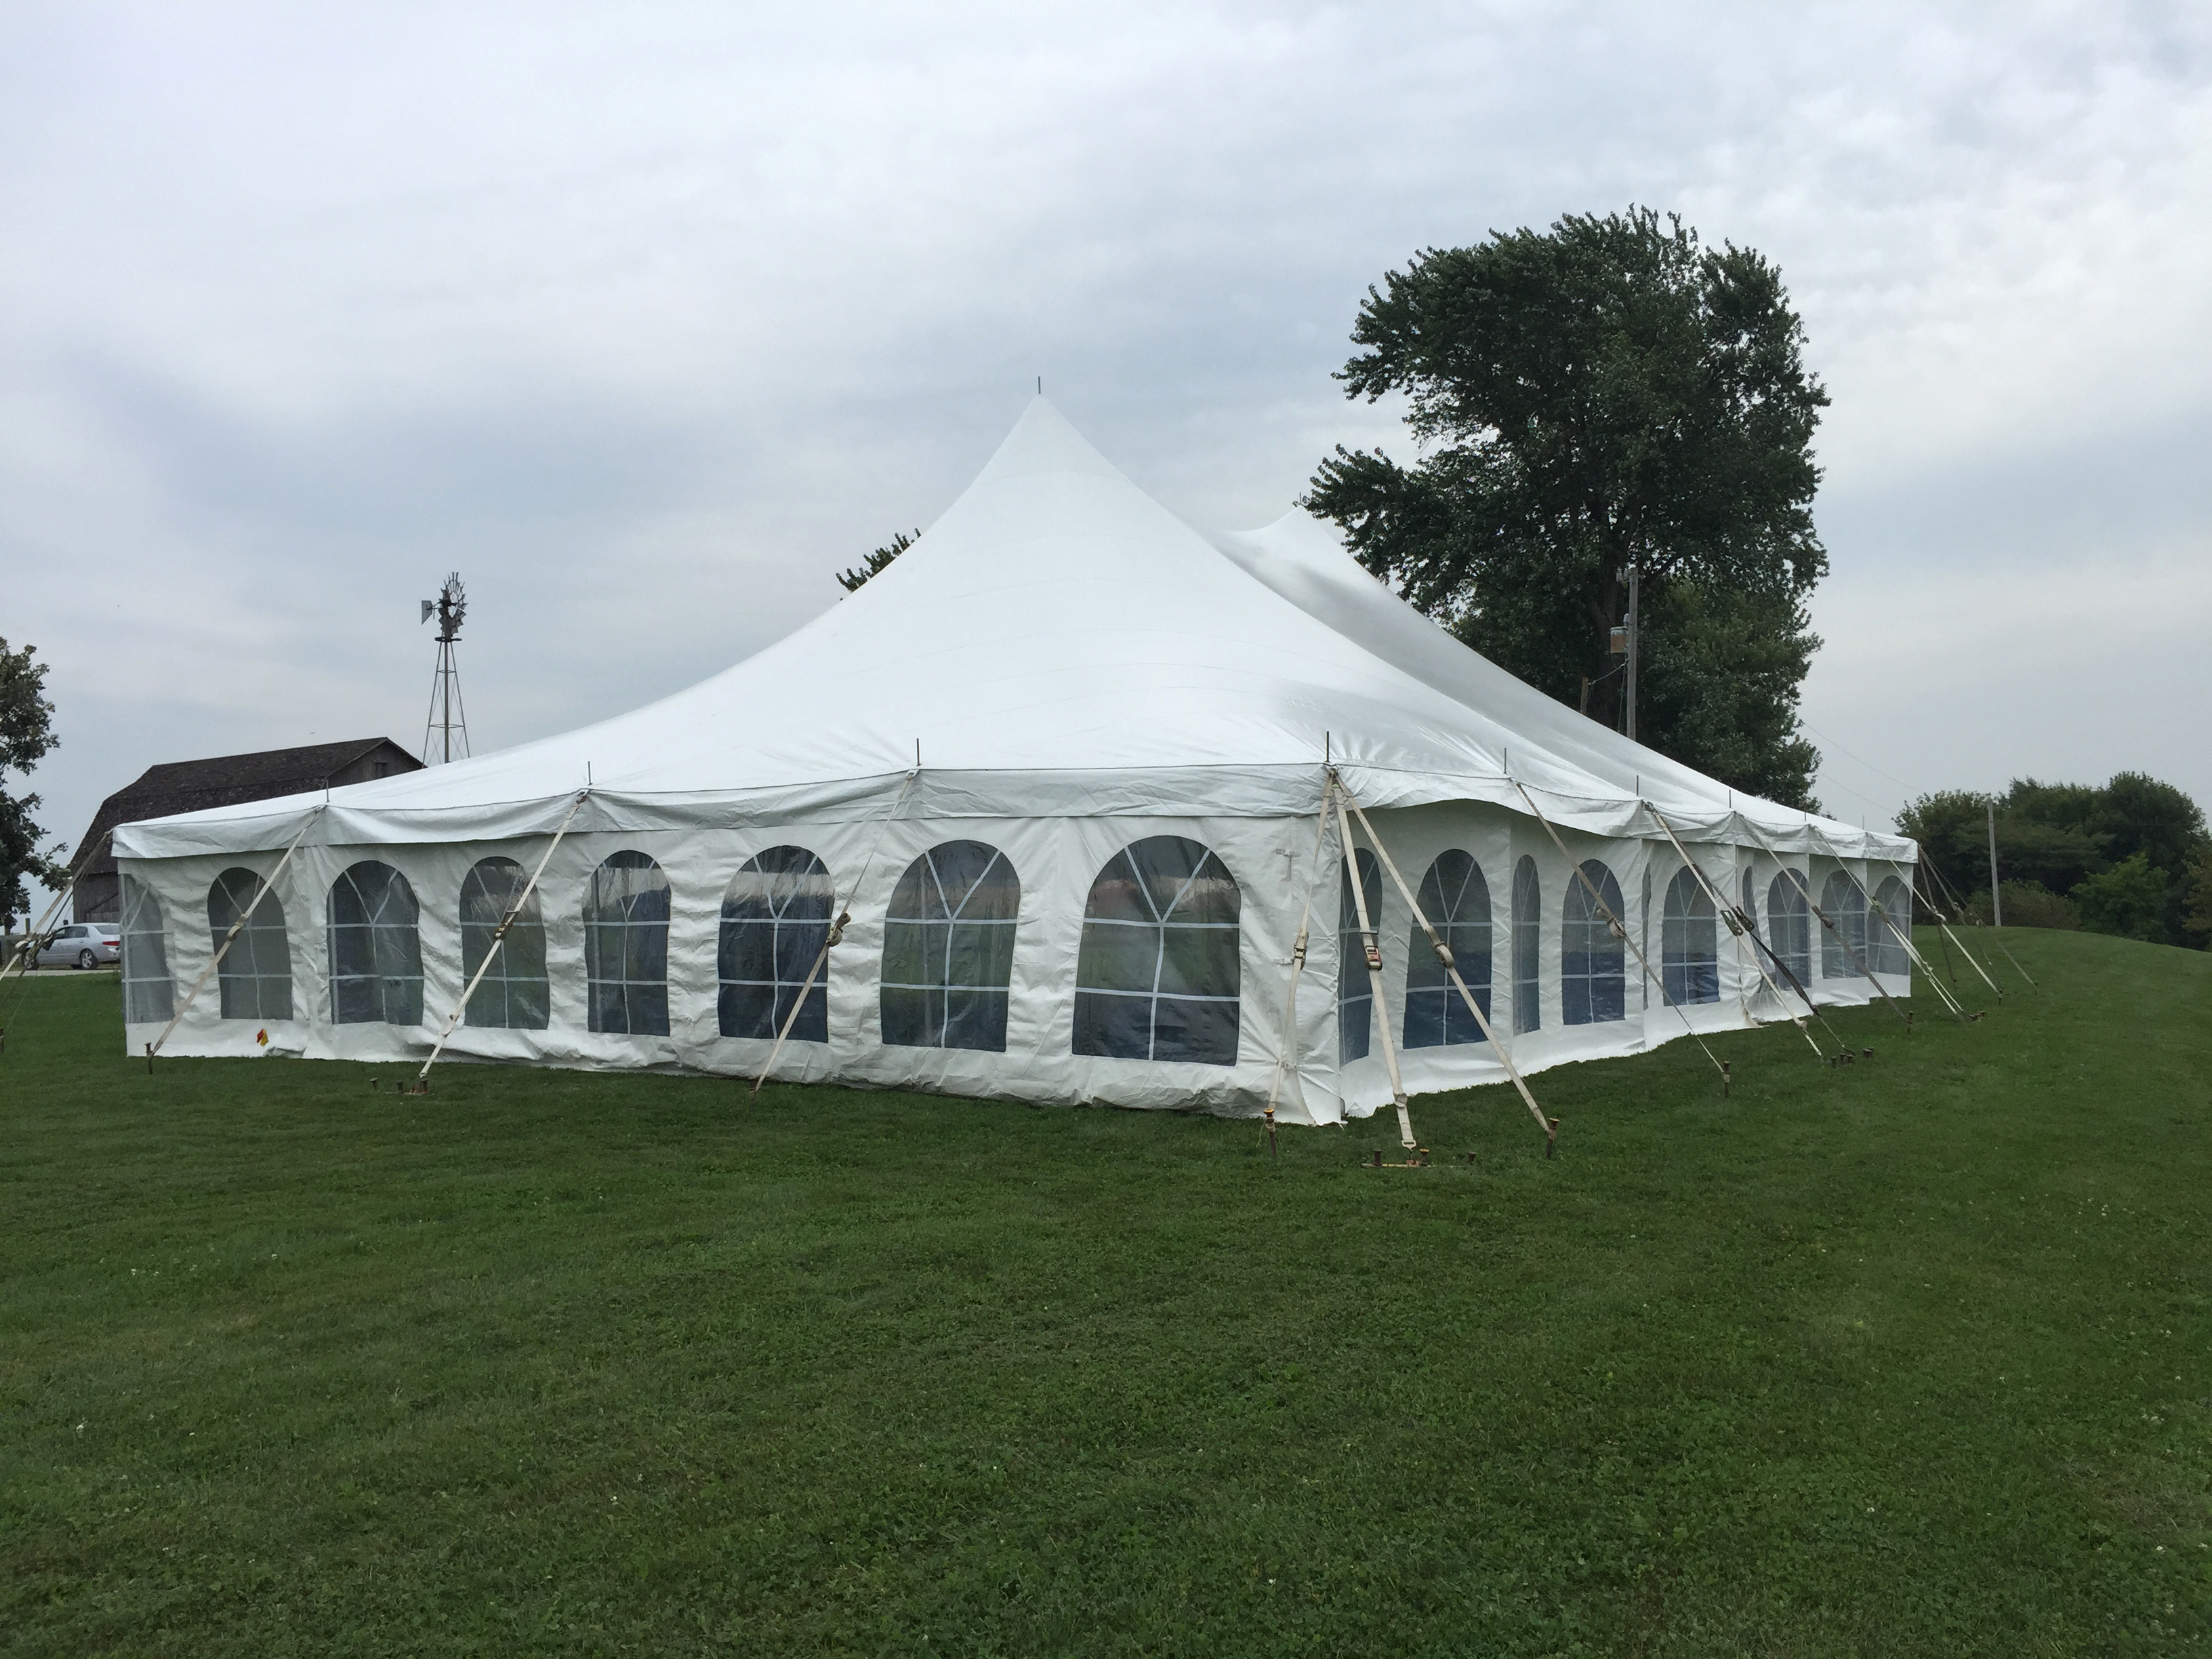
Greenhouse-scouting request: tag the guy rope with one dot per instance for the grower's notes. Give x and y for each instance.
(498, 938)
(1549, 1126)
(1619, 930)
(1858, 962)
(837, 930)
(236, 929)
(1739, 925)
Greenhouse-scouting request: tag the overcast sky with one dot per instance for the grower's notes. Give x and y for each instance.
(647, 320)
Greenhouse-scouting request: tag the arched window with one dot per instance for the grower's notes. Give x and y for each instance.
(1844, 901)
(515, 993)
(1157, 974)
(1689, 947)
(1528, 946)
(949, 949)
(1889, 955)
(146, 992)
(376, 950)
(1789, 925)
(1456, 901)
(256, 975)
(1592, 977)
(1355, 990)
(626, 946)
(775, 917)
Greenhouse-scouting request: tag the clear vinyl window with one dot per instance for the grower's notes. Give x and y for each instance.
(1528, 946)
(949, 949)
(775, 921)
(1456, 901)
(1592, 977)
(1844, 902)
(626, 913)
(376, 948)
(1789, 925)
(1157, 974)
(1355, 992)
(1689, 942)
(256, 976)
(1888, 936)
(147, 992)
(515, 993)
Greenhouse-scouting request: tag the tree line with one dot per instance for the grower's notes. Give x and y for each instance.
(2129, 857)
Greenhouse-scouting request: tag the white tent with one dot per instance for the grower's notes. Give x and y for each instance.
(1062, 764)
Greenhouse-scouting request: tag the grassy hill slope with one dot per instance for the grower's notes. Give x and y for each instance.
(1904, 1357)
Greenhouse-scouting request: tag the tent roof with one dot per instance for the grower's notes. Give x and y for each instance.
(1058, 642)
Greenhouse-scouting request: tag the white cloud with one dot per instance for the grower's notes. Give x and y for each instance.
(650, 320)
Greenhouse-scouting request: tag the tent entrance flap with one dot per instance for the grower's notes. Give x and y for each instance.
(1373, 949)
(1289, 1041)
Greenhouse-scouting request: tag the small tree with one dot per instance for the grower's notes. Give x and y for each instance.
(26, 734)
(2129, 899)
(850, 580)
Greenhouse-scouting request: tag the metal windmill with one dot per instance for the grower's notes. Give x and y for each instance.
(447, 717)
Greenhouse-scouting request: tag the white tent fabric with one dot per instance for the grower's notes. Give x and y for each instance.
(1060, 668)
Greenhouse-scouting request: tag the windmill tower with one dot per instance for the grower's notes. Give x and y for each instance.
(448, 720)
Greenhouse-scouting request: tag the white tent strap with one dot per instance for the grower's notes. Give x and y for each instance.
(1298, 950)
(836, 932)
(1444, 955)
(23, 955)
(499, 936)
(1739, 924)
(1372, 945)
(1919, 961)
(231, 937)
(1620, 931)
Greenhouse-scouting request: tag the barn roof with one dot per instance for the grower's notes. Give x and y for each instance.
(224, 780)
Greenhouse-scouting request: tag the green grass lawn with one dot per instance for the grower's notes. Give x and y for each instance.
(1905, 1357)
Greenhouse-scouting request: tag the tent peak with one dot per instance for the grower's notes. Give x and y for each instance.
(1043, 441)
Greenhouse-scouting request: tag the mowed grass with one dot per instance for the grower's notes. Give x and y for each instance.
(1905, 1357)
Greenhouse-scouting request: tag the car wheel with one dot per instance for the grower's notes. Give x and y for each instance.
(86, 959)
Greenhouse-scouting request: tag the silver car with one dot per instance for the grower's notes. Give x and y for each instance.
(83, 943)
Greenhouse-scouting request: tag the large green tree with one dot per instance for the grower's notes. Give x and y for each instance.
(1607, 393)
(27, 733)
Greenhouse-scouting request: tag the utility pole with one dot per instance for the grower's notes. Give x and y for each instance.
(1635, 575)
(1997, 893)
